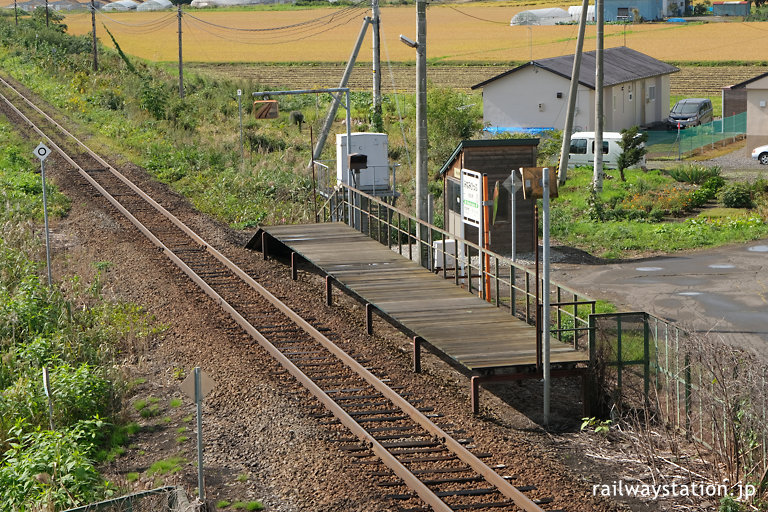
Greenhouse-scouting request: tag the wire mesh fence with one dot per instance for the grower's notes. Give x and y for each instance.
(710, 393)
(163, 499)
(680, 142)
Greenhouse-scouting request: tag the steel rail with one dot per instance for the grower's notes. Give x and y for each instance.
(411, 480)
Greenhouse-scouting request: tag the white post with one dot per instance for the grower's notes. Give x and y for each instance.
(513, 218)
(240, 111)
(199, 404)
(545, 294)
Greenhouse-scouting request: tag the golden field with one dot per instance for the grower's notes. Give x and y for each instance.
(455, 33)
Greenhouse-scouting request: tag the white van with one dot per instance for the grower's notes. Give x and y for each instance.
(582, 150)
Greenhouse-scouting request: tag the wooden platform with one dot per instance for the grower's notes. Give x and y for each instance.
(472, 332)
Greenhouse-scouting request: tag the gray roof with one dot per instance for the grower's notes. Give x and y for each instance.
(745, 83)
(620, 65)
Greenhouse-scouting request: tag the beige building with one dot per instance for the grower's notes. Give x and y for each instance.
(535, 95)
(757, 111)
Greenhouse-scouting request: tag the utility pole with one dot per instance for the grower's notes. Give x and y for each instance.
(181, 60)
(16, 12)
(93, 32)
(597, 178)
(47, 17)
(378, 125)
(421, 122)
(572, 93)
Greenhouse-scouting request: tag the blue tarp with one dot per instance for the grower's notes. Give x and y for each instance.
(495, 130)
(676, 20)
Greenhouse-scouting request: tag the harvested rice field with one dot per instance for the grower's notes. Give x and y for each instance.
(456, 33)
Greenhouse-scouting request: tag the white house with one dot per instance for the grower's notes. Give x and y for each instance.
(535, 95)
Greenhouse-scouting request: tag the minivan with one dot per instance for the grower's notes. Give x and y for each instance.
(582, 150)
(690, 112)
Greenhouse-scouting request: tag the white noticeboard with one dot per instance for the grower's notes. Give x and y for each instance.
(471, 197)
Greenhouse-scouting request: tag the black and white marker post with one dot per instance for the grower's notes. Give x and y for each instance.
(42, 152)
(196, 386)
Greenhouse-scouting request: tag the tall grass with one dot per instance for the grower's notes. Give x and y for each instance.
(67, 329)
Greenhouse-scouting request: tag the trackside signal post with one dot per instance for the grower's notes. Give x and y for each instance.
(42, 152)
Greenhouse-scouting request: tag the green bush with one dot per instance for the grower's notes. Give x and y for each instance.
(737, 195)
(714, 184)
(45, 468)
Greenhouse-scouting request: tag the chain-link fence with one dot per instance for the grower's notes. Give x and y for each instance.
(709, 392)
(673, 143)
(163, 499)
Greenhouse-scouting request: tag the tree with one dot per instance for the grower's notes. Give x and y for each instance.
(633, 149)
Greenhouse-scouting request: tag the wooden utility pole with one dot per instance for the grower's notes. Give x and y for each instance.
(181, 60)
(93, 32)
(597, 178)
(378, 125)
(421, 122)
(572, 93)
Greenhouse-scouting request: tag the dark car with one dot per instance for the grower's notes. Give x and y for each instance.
(690, 112)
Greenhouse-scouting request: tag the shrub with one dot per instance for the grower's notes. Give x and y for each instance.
(47, 469)
(153, 97)
(695, 174)
(714, 183)
(737, 195)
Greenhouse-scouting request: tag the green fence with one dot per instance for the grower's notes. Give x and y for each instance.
(674, 143)
(163, 499)
(711, 393)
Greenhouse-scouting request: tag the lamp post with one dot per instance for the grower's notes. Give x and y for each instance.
(422, 189)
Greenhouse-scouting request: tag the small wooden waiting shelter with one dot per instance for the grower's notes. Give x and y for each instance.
(497, 158)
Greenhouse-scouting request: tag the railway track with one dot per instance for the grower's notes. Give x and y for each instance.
(419, 464)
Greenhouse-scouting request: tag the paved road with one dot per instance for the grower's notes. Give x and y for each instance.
(723, 291)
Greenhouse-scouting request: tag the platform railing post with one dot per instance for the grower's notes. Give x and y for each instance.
(417, 354)
(369, 318)
(328, 291)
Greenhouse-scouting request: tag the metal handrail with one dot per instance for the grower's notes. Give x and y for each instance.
(504, 282)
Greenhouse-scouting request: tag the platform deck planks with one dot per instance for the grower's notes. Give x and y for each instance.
(474, 333)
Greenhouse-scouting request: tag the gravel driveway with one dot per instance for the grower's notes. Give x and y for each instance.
(737, 165)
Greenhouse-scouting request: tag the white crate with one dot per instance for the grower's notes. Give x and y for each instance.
(443, 253)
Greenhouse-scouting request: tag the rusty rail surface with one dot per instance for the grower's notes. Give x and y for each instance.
(406, 440)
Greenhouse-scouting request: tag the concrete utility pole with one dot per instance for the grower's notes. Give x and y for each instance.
(422, 189)
(93, 32)
(378, 125)
(181, 61)
(572, 93)
(597, 179)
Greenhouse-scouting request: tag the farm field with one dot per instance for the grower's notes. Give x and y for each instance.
(706, 81)
(456, 33)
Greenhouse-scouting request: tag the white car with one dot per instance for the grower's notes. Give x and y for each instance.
(760, 154)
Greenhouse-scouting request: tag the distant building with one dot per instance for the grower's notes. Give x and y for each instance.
(731, 8)
(750, 96)
(535, 95)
